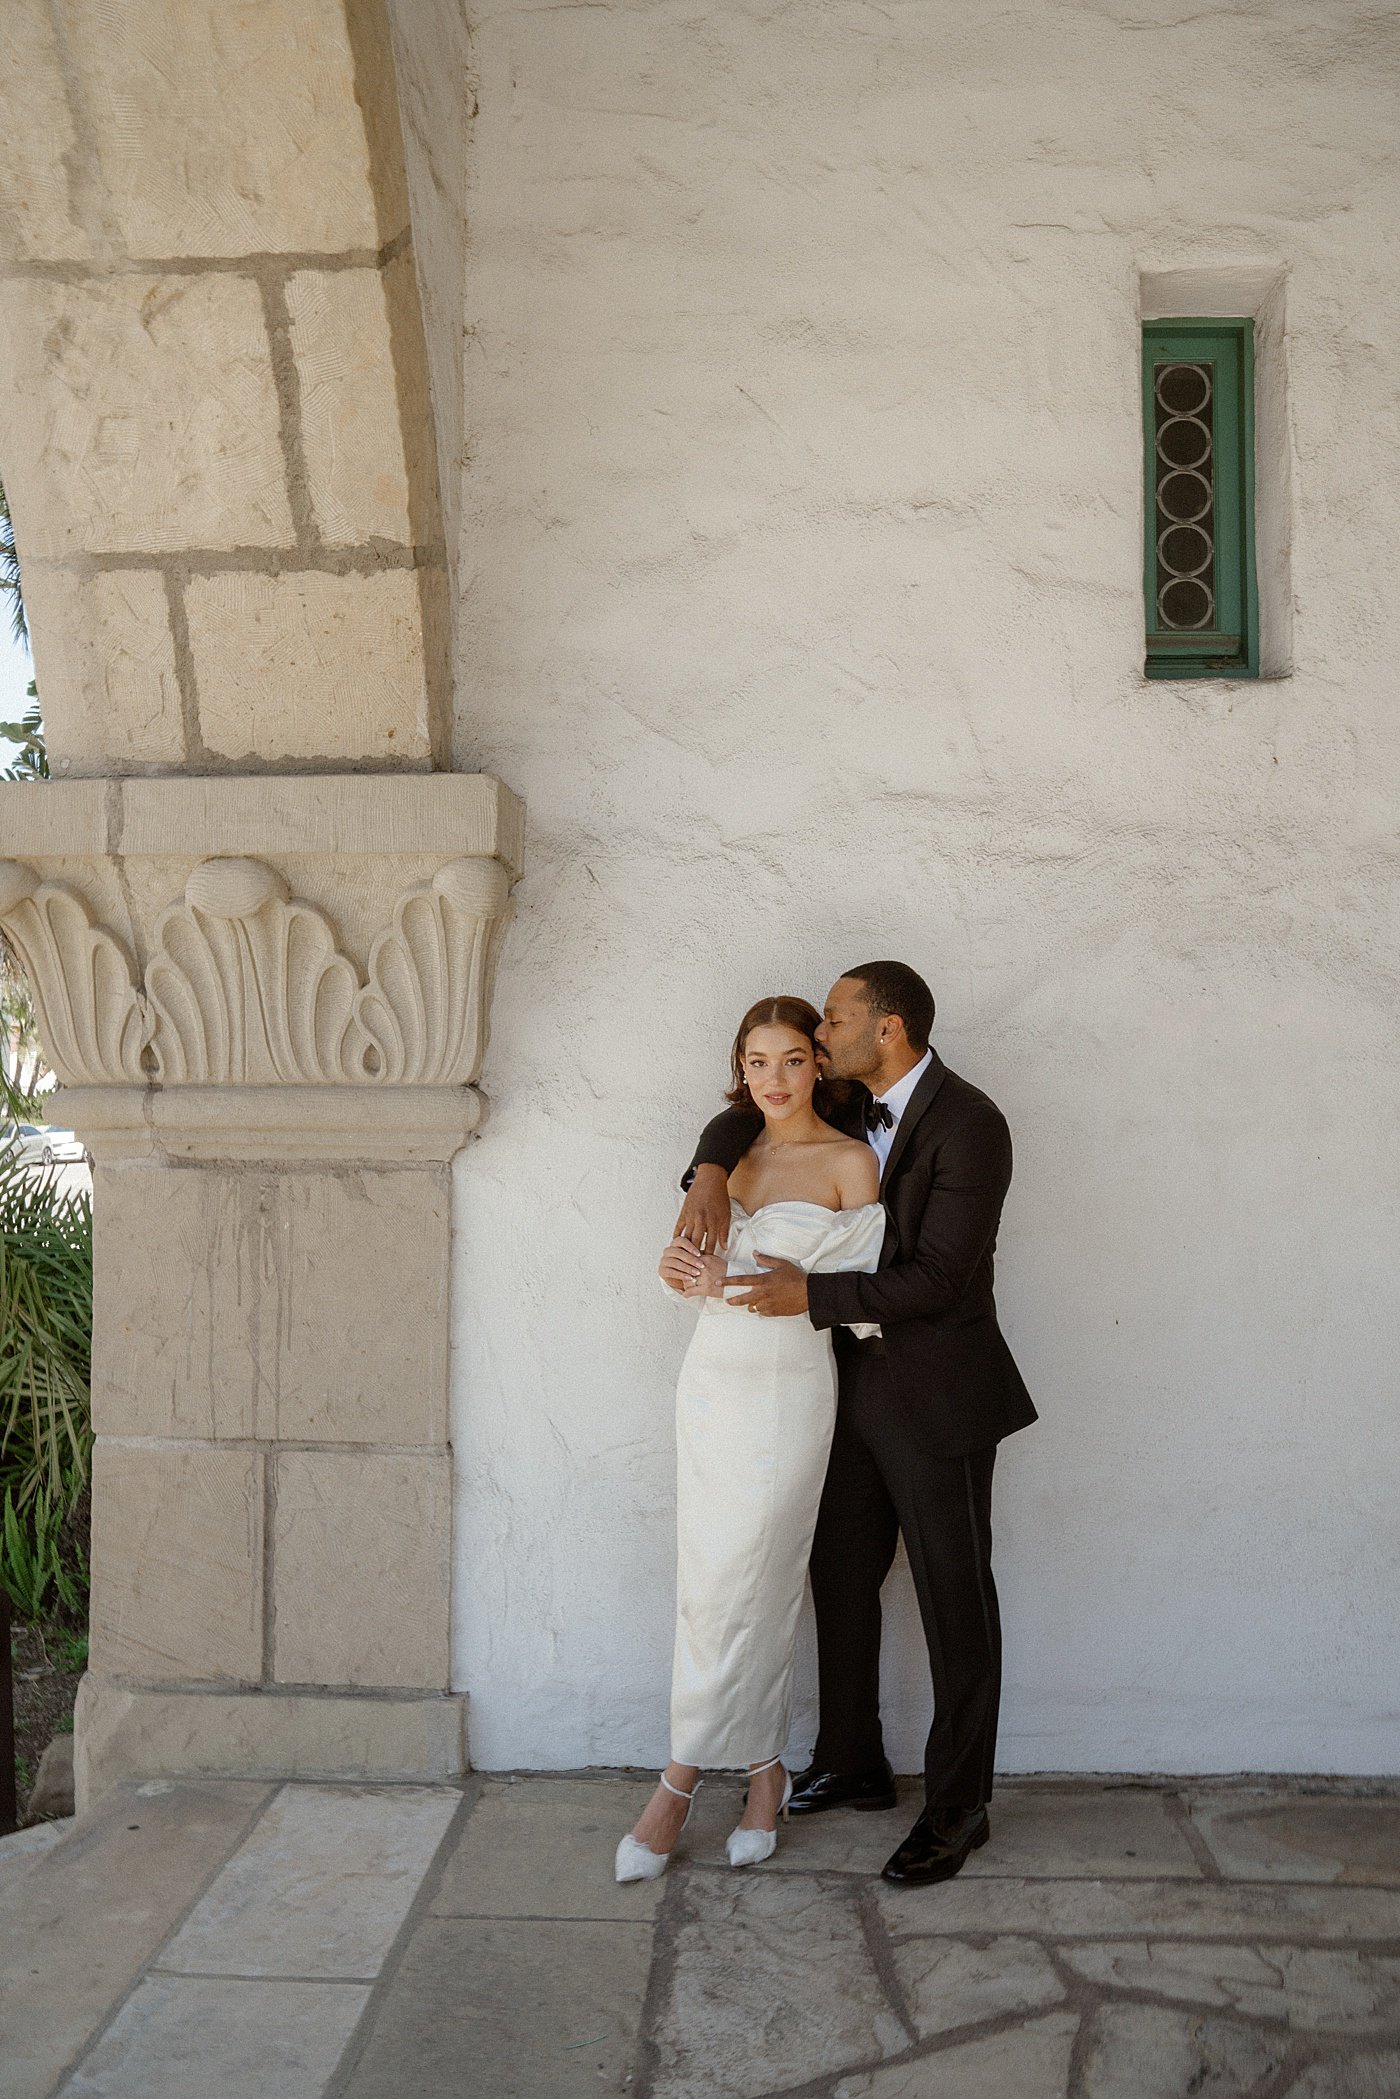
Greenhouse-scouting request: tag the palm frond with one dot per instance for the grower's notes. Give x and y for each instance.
(31, 760)
(45, 1336)
(9, 573)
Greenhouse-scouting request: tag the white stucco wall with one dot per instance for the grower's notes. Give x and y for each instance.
(802, 601)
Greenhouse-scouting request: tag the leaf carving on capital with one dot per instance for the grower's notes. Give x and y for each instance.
(247, 984)
(92, 1018)
(425, 1008)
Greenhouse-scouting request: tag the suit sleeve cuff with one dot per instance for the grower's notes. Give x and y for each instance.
(831, 1299)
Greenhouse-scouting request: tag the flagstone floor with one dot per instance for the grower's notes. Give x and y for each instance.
(1120, 1940)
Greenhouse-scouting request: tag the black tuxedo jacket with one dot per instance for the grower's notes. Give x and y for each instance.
(943, 1186)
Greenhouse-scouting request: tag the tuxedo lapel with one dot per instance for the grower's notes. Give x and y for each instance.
(919, 1101)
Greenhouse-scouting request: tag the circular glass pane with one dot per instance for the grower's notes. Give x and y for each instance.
(1184, 498)
(1183, 389)
(1185, 602)
(1184, 550)
(1183, 441)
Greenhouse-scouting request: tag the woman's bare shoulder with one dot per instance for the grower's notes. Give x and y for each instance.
(857, 1172)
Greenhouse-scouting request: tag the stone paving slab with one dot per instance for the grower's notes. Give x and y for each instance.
(1255, 1835)
(24, 1845)
(78, 1924)
(1135, 2051)
(321, 1885)
(541, 1847)
(1303, 1988)
(508, 2010)
(773, 1979)
(1050, 1832)
(1028, 2062)
(949, 1983)
(1076, 1909)
(1355, 2077)
(401, 1942)
(1083, 1833)
(181, 2036)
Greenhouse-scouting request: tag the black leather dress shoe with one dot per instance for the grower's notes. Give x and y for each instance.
(814, 1791)
(938, 1846)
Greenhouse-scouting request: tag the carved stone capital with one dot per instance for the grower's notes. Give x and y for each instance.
(350, 943)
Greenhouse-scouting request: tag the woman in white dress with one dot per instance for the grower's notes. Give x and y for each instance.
(755, 1410)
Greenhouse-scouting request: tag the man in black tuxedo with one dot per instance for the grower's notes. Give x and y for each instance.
(923, 1402)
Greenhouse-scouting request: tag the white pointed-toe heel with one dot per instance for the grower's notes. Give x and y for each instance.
(750, 1847)
(637, 1861)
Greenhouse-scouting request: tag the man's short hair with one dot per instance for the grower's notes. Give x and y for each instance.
(895, 988)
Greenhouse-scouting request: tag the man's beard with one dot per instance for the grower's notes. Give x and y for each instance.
(828, 1069)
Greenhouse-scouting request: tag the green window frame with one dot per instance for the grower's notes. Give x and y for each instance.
(1199, 581)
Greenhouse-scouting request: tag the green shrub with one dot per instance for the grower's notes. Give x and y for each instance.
(45, 1405)
(28, 1553)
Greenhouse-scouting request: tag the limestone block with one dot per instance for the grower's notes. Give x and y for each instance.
(36, 143)
(226, 130)
(340, 817)
(122, 1728)
(143, 415)
(105, 663)
(361, 1567)
(349, 404)
(291, 1306)
(309, 665)
(264, 1125)
(177, 1547)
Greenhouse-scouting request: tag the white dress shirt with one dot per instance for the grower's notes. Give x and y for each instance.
(896, 1100)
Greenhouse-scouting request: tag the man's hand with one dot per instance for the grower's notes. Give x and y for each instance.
(704, 1218)
(780, 1294)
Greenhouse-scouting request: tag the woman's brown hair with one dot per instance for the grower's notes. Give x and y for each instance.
(803, 1019)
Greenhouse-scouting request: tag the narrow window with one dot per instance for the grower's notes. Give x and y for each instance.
(1198, 414)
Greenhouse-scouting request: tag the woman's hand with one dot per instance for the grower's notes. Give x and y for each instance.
(692, 1274)
(682, 1267)
(711, 1284)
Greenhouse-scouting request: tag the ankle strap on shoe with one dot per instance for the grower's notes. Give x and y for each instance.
(676, 1789)
(754, 1769)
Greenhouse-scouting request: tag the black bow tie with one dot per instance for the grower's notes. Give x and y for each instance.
(877, 1115)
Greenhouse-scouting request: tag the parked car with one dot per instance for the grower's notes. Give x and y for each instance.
(27, 1138)
(61, 1146)
(44, 1144)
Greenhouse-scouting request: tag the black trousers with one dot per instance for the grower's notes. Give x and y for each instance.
(880, 1483)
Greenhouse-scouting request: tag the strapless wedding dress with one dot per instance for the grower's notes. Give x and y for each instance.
(755, 1410)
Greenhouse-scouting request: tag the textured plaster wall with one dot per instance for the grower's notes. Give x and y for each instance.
(801, 598)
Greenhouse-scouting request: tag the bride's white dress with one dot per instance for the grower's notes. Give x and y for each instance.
(755, 1410)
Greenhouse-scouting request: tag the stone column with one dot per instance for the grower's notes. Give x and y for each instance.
(260, 925)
